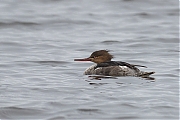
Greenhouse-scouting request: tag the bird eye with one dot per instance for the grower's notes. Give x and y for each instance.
(93, 57)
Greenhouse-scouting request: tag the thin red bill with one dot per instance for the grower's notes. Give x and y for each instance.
(84, 59)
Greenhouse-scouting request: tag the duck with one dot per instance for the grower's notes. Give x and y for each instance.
(105, 66)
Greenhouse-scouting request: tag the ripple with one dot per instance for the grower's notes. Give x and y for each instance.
(75, 22)
(128, 0)
(18, 23)
(51, 63)
(11, 112)
(173, 12)
(6, 43)
(88, 110)
(143, 14)
(126, 117)
(98, 84)
(57, 118)
(110, 42)
(167, 40)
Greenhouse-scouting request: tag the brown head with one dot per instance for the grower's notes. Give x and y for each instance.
(98, 57)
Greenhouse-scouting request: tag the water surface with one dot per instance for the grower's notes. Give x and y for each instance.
(39, 40)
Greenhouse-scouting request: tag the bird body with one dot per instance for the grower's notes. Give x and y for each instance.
(104, 66)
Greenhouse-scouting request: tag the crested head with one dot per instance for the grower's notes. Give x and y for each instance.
(101, 56)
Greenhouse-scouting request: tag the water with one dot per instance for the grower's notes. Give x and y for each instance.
(40, 38)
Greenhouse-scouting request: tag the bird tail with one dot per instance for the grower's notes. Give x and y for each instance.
(145, 74)
(139, 65)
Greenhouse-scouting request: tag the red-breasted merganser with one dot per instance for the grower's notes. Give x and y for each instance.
(104, 66)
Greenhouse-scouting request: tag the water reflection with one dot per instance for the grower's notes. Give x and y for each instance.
(99, 77)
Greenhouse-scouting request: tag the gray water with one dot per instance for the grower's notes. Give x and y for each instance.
(40, 38)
